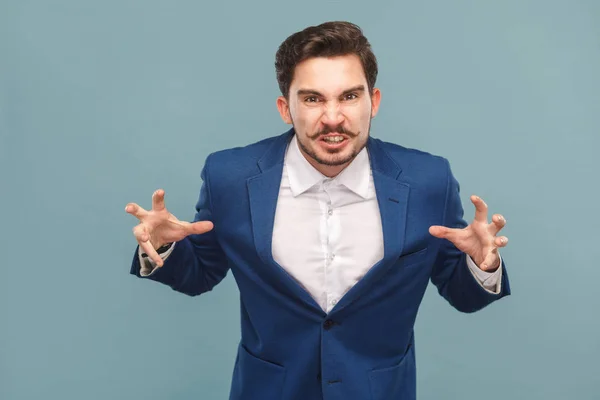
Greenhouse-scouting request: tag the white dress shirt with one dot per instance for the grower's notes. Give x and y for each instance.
(327, 232)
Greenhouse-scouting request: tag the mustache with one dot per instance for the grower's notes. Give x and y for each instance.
(330, 129)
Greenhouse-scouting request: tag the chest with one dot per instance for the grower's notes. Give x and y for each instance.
(327, 224)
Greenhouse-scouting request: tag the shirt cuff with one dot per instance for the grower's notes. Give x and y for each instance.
(147, 265)
(490, 281)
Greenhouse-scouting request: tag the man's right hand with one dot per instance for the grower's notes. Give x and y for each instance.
(158, 226)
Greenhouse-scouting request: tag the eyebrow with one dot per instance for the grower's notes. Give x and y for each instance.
(358, 88)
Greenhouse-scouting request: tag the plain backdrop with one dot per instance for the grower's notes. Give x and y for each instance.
(103, 102)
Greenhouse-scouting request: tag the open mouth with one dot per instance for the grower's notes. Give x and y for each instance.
(333, 141)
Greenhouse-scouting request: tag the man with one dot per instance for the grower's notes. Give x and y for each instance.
(331, 235)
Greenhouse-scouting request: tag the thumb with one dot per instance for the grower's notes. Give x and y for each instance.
(200, 227)
(439, 231)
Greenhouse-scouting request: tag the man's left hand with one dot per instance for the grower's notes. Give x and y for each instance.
(479, 239)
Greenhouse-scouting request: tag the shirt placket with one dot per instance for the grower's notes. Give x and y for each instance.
(329, 224)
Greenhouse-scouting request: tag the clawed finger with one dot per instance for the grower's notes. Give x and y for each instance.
(501, 241)
(491, 262)
(140, 233)
(481, 209)
(158, 200)
(498, 222)
(143, 238)
(135, 210)
(148, 248)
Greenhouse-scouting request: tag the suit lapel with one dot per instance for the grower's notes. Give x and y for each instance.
(392, 197)
(263, 190)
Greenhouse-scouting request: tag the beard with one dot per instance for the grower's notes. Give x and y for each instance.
(332, 160)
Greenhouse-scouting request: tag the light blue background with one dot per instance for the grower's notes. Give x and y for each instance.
(103, 102)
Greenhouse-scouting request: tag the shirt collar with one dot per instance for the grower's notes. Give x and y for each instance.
(303, 176)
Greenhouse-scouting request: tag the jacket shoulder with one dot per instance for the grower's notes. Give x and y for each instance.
(242, 161)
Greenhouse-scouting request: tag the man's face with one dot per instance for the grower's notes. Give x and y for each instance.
(331, 110)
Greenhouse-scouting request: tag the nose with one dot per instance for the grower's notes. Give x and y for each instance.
(332, 114)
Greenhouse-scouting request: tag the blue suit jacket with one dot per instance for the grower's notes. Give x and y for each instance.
(290, 348)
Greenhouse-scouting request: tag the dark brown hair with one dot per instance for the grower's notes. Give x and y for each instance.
(335, 38)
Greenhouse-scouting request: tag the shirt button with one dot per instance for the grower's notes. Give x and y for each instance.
(333, 302)
(330, 212)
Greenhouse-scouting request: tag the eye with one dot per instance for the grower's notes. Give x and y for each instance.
(350, 96)
(311, 99)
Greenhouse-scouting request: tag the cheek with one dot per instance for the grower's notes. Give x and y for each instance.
(360, 114)
(367, 109)
(307, 117)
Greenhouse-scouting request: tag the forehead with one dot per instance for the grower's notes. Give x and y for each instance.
(329, 74)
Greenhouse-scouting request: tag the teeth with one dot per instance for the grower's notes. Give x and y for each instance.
(333, 139)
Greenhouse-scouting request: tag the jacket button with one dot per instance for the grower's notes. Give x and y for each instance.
(319, 377)
(328, 324)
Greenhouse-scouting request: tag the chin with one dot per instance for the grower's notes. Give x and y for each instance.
(335, 159)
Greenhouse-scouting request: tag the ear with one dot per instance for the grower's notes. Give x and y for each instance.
(375, 100)
(284, 110)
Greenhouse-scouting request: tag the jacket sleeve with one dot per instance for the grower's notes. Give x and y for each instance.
(451, 274)
(197, 263)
